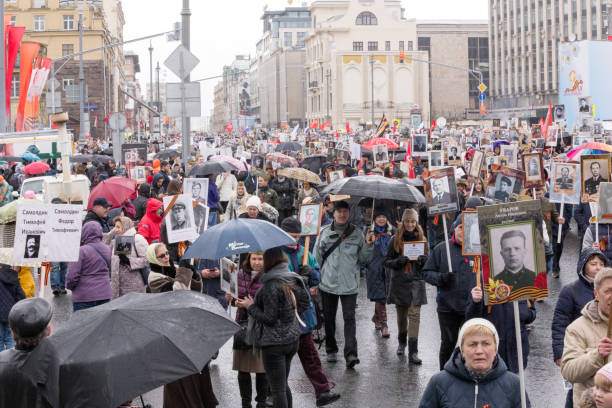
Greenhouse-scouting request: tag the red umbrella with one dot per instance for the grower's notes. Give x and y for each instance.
(381, 141)
(116, 190)
(36, 168)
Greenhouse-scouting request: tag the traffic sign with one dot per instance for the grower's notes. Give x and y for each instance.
(181, 62)
(193, 105)
(90, 107)
(482, 88)
(52, 84)
(482, 97)
(117, 121)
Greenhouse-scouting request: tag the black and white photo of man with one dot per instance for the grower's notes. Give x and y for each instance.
(558, 113)
(584, 125)
(439, 191)
(584, 105)
(564, 181)
(380, 154)
(32, 246)
(533, 168)
(503, 188)
(258, 162)
(514, 251)
(591, 185)
(178, 217)
(471, 234)
(435, 159)
(420, 144)
(453, 154)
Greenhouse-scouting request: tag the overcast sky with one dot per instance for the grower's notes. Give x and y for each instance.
(221, 29)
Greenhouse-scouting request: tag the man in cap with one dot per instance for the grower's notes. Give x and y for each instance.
(339, 250)
(179, 216)
(99, 213)
(503, 194)
(29, 323)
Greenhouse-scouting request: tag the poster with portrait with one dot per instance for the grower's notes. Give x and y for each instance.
(419, 145)
(585, 123)
(585, 104)
(228, 275)
(435, 159)
(513, 134)
(335, 175)
(381, 154)
(200, 218)
(124, 244)
(534, 170)
(471, 234)
(453, 155)
(197, 188)
(310, 218)
(578, 140)
(595, 169)
(604, 213)
(476, 164)
(565, 181)
(551, 136)
(558, 113)
(512, 251)
(180, 225)
(505, 184)
(509, 151)
(441, 191)
(258, 161)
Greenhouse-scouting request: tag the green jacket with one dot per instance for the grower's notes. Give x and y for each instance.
(269, 196)
(340, 272)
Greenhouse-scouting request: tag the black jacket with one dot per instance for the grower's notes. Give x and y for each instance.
(286, 192)
(140, 203)
(92, 216)
(407, 289)
(23, 392)
(10, 291)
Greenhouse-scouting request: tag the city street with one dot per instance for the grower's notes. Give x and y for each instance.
(382, 379)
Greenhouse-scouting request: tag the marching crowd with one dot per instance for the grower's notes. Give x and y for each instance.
(287, 300)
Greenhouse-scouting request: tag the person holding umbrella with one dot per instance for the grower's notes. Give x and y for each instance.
(29, 323)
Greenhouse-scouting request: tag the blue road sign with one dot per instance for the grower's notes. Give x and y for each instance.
(482, 97)
(90, 107)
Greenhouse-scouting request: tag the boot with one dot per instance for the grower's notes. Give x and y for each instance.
(413, 355)
(383, 321)
(376, 317)
(401, 339)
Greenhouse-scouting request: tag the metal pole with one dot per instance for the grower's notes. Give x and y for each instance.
(159, 108)
(185, 40)
(372, 80)
(327, 88)
(150, 72)
(2, 72)
(82, 128)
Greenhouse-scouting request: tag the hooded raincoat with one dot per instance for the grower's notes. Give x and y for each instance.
(150, 225)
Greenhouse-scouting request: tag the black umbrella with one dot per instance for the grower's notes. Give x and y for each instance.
(210, 167)
(289, 147)
(108, 354)
(314, 162)
(93, 158)
(12, 159)
(108, 152)
(167, 154)
(376, 187)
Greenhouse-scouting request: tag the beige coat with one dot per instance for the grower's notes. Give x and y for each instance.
(581, 360)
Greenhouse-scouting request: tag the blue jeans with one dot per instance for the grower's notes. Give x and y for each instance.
(58, 274)
(212, 218)
(76, 306)
(6, 339)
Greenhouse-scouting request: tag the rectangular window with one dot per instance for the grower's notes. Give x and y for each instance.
(39, 4)
(401, 45)
(372, 45)
(357, 45)
(39, 23)
(410, 45)
(300, 39)
(387, 45)
(68, 22)
(15, 86)
(66, 82)
(67, 49)
(13, 21)
(288, 39)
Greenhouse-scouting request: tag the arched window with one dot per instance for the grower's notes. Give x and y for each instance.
(366, 18)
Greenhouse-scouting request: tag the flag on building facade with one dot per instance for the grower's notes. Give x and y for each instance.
(382, 126)
(28, 53)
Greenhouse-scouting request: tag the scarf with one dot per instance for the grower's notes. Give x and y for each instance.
(382, 238)
(151, 257)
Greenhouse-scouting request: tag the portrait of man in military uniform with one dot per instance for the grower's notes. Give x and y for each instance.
(595, 172)
(515, 248)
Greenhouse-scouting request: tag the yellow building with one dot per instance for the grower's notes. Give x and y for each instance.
(54, 25)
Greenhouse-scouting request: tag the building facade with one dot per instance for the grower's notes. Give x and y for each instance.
(464, 45)
(54, 25)
(354, 47)
(280, 73)
(218, 116)
(524, 44)
(237, 93)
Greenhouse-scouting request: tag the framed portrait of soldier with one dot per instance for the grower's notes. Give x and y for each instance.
(197, 188)
(200, 218)
(335, 175)
(551, 136)
(310, 218)
(419, 145)
(380, 153)
(579, 140)
(179, 218)
(559, 191)
(558, 113)
(436, 159)
(534, 170)
(508, 185)
(471, 234)
(258, 161)
(453, 156)
(584, 105)
(441, 191)
(585, 123)
(476, 164)
(513, 134)
(512, 250)
(595, 170)
(509, 151)
(604, 213)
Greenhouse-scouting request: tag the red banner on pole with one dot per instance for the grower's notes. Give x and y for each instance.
(14, 35)
(29, 51)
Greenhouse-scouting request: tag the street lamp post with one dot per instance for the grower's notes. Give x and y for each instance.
(327, 76)
(372, 81)
(2, 73)
(185, 121)
(82, 124)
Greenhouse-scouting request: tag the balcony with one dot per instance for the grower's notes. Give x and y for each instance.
(313, 84)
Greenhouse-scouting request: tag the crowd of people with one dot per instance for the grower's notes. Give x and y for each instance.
(290, 298)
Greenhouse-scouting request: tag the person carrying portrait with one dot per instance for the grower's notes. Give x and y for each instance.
(565, 182)
(286, 191)
(503, 195)
(552, 219)
(513, 250)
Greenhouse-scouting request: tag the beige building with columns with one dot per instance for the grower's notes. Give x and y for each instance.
(351, 38)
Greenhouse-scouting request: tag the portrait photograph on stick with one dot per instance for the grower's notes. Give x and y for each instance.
(179, 220)
(310, 218)
(595, 169)
(228, 276)
(534, 170)
(605, 203)
(453, 156)
(508, 184)
(419, 145)
(509, 151)
(197, 188)
(512, 250)
(471, 234)
(441, 191)
(476, 164)
(436, 159)
(381, 154)
(335, 175)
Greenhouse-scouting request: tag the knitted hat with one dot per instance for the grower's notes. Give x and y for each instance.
(379, 211)
(473, 202)
(410, 214)
(291, 225)
(606, 371)
(477, 322)
(341, 204)
(254, 201)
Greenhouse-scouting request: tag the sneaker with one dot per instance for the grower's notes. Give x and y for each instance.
(327, 398)
(555, 274)
(63, 292)
(332, 357)
(56, 290)
(351, 361)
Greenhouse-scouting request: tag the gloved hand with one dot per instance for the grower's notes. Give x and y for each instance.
(446, 277)
(305, 271)
(422, 259)
(402, 261)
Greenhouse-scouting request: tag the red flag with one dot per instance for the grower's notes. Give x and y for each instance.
(95, 121)
(348, 127)
(314, 124)
(433, 124)
(336, 133)
(107, 118)
(229, 127)
(548, 121)
(14, 36)
(326, 124)
(29, 51)
(541, 123)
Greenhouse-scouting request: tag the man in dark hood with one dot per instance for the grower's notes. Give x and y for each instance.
(140, 203)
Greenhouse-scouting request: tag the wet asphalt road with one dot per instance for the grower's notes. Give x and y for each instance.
(383, 379)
